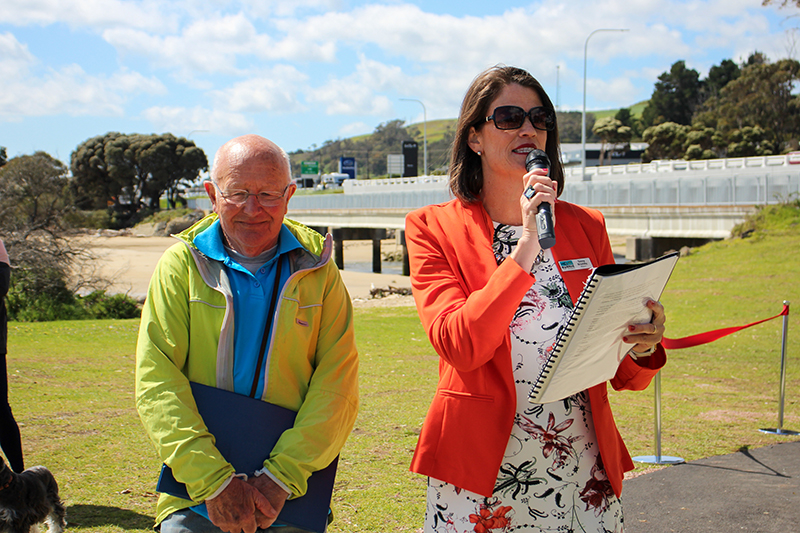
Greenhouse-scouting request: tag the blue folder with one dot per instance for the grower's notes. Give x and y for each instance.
(246, 430)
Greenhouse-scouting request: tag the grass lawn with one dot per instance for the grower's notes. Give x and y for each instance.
(71, 388)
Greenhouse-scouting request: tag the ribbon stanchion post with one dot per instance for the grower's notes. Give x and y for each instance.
(705, 338)
(782, 394)
(658, 458)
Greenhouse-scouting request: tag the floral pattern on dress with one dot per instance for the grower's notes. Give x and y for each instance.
(551, 478)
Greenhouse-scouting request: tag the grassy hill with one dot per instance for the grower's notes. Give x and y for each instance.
(370, 150)
(636, 111)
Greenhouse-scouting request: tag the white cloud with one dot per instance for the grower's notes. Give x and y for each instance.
(357, 94)
(355, 128)
(282, 8)
(250, 60)
(612, 91)
(15, 59)
(168, 118)
(218, 44)
(69, 91)
(88, 13)
(204, 46)
(274, 90)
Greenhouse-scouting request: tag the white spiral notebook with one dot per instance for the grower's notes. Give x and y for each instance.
(589, 348)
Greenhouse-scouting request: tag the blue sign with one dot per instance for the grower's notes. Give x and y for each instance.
(347, 165)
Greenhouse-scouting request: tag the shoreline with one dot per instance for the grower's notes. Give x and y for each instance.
(128, 261)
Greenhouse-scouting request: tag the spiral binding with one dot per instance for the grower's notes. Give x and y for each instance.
(564, 334)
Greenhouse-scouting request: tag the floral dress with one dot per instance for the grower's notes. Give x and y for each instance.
(551, 477)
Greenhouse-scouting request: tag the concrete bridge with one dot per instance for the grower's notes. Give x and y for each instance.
(659, 206)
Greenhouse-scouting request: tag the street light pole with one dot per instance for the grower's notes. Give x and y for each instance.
(424, 133)
(583, 115)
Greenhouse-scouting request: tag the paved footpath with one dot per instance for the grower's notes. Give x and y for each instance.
(752, 490)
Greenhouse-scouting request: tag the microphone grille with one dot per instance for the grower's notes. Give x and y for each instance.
(536, 159)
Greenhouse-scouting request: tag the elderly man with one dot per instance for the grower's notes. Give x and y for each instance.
(252, 303)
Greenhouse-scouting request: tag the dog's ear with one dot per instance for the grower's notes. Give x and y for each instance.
(6, 474)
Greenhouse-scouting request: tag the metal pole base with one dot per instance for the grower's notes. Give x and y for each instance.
(658, 459)
(779, 431)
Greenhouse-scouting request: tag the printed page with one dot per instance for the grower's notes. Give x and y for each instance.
(595, 349)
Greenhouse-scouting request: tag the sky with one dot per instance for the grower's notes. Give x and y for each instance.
(303, 72)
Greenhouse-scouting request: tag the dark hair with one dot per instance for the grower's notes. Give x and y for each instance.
(466, 176)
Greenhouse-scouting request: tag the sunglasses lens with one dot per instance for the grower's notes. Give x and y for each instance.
(542, 119)
(508, 117)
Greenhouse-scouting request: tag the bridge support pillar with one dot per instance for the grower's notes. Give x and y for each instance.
(376, 252)
(646, 248)
(358, 234)
(639, 248)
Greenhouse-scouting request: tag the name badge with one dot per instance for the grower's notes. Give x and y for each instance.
(575, 264)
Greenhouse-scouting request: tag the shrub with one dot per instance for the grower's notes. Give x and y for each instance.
(41, 296)
(44, 297)
(99, 305)
(97, 219)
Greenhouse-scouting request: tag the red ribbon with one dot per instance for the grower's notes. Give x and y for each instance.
(710, 336)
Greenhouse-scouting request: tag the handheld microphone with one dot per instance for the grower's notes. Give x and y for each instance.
(544, 218)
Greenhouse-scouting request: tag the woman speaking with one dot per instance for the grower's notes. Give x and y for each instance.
(492, 301)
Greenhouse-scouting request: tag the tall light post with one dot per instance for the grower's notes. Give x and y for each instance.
(583, 115)
(424, 134)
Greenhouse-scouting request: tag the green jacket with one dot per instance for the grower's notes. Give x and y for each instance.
(186, 334)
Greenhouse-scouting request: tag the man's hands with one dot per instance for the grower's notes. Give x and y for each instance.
(245, 506)
(272, 491)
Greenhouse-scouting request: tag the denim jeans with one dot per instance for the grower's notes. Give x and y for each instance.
(187, 521)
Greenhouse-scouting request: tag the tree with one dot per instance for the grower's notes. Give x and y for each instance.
(625, 116)
(611, 131)
(703, 143)
(665, 141)
(92, 185)
(762, 96)
(33, 188)
(782, 3)
(747, 142)
(3, 156)
(569, 127)
(719, 76)
(131, 171)
(674, 98)
(34, 192)
(50, 262)
(174, 162)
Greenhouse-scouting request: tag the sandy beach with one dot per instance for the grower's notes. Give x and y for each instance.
(129, 261)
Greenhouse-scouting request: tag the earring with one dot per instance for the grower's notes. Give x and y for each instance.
(479, 153)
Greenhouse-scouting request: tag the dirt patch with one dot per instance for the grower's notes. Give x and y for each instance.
(726, 415)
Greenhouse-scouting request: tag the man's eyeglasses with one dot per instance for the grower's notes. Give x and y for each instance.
(511, 117)
(238, 197)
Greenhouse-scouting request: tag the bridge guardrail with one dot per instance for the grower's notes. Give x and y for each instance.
(743, 182)
(680, 191)
(728, 164)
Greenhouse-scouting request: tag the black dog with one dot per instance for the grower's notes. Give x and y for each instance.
(28, 499)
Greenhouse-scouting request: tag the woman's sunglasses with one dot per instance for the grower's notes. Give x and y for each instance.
(511, 117)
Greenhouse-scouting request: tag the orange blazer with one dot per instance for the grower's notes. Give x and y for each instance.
(466, 303)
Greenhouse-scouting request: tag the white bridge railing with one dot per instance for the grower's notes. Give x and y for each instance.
(673, 190)
(718, 182)
(702, 165)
